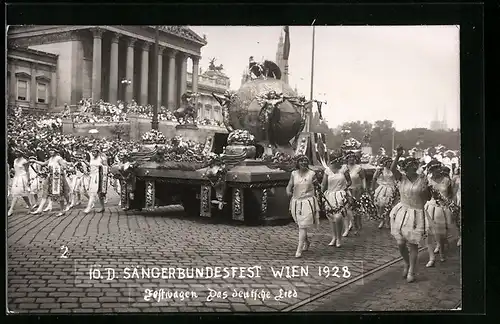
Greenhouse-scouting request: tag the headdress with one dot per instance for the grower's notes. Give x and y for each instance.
(384, 159)
(350, 153)
(445, 170)
(410, 162)
(336, 157)
(299, 158)
(432, 165)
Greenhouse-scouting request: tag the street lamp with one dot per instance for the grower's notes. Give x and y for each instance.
(125, 83)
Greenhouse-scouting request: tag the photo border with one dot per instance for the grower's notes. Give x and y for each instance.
(472, 116)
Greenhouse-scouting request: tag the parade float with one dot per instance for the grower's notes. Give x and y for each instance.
(241, 175)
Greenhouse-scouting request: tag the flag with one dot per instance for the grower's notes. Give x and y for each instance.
(286, 47)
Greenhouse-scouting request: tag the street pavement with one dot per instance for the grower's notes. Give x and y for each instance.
(50, 260)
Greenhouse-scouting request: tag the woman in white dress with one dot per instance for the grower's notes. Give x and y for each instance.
(303, 203)
(98, 181)
(357, 188)
(56, 185)
(457, 193)
(385, 190)
(78, 186)
(336, 182)
(20, 183)
(410, 223)
(440, 215)
(35, 181)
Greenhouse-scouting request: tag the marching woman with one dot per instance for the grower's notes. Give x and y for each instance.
(336, 182)
(35, 181)
(409, 220)
(105, 174)
(56, 185)
(78, 187)
(304, 205)
(457, 188)
(440, 215)
(385, 190)
(20, 183)
(357, 188)
(97, 181)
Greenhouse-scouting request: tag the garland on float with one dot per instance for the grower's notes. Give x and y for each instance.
(447, 203)
(240, 137)
(153, 137)
(280, 161)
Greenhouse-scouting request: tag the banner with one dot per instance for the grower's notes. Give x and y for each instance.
(286, 48)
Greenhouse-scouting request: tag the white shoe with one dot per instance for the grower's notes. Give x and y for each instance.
(298, 254)
(48, 209)
(430, 264)
(332, 242)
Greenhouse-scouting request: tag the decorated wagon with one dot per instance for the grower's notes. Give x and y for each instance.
(241, 175)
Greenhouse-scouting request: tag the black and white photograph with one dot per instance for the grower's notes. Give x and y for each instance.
(240, 169)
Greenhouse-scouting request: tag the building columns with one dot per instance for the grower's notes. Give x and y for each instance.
(144, 74)
(196, 68)
(113, 69)
(96, 65)
(34, 87)
(129, 75)
(183, 77)
(172, 102)
(160, 76)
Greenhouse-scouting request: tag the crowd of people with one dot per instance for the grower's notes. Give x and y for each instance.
(104, 112)
(417, 198)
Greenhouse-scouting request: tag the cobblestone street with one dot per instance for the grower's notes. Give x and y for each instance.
(40, 280)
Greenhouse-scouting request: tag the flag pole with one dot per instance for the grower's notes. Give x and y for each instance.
(309, 117)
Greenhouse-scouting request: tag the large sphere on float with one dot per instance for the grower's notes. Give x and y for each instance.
(244, 110)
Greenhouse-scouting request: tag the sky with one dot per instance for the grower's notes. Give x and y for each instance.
(408, 74)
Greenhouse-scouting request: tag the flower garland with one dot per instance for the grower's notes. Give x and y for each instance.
(393, 199)
(240, 136)
(368, 206)
(154, 137)
(281, 161)
(447, 203)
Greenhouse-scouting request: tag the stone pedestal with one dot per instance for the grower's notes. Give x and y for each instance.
(187, 131)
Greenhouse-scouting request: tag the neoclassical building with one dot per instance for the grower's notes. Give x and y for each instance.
(210, 81)
(63, 64)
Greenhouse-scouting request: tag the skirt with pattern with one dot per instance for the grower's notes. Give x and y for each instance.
(409, 224)
(304, 211)
(337, 199)
(383, 195)
(20, 186)
(441, 217)
(59, 193)
(36, 185)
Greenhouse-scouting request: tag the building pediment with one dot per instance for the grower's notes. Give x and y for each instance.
(23, 75)
(182, 32)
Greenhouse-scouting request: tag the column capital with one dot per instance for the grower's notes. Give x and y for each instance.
(161, 49)
(115, 37)
(145, 46)
(183, 56)
(195, 59)
(131, 41)
(97, 32)
(172, 53)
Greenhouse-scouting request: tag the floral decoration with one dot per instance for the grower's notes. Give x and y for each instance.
(241, 137)
(154, 137)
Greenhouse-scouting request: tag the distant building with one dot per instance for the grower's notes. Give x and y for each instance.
(437, 124)
(211, 81)
(49, 66)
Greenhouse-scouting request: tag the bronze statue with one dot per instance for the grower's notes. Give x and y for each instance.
(187, 112)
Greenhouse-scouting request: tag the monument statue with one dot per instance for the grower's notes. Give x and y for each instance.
(187, 113)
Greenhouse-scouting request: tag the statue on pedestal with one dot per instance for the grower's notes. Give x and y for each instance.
(186, 115)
